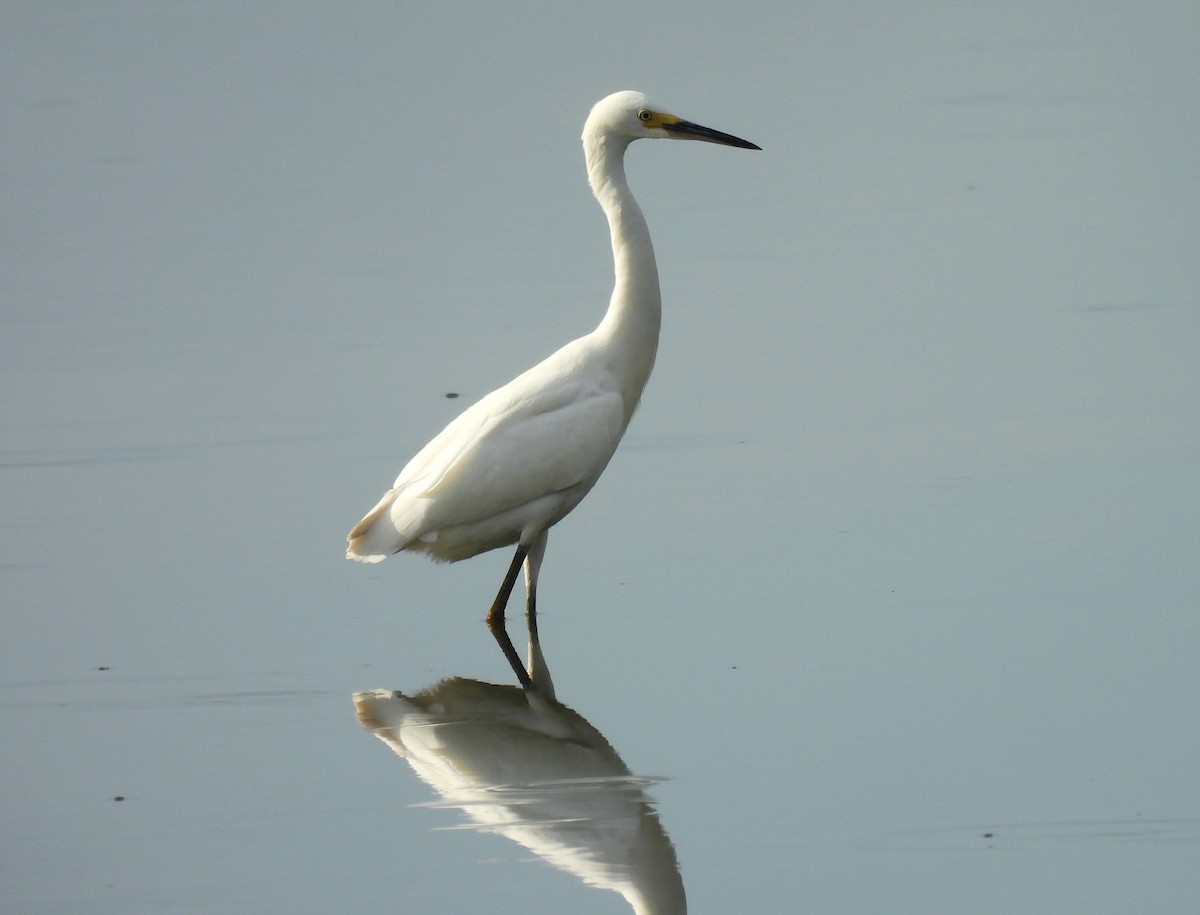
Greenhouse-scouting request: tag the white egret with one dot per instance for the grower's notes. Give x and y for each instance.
(517, 461)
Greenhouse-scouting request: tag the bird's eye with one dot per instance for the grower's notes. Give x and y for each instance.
(645, 114)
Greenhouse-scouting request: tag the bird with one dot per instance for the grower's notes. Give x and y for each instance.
(518, 460)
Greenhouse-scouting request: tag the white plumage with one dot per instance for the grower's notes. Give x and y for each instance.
(518, 460)
(510, 466)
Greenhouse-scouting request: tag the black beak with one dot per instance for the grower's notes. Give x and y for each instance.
(686, 130)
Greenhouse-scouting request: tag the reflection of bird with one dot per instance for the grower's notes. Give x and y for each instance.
(531, 769)
(517, 461)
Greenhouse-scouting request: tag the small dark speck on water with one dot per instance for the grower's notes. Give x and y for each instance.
(450, 395)
(103, 668)
(988, 835)
(119, 797)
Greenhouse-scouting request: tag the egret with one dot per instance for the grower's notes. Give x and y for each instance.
(517, 461)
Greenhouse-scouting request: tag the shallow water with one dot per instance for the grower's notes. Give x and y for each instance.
(890, 595)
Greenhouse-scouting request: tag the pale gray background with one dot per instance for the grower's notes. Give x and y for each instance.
(901, 549)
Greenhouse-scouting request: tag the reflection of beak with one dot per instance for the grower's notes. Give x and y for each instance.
(686, 130)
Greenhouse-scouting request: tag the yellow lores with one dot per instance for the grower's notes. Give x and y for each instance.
(656, 118)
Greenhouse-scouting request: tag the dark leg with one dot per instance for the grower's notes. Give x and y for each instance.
(539, 673)
(495, 618)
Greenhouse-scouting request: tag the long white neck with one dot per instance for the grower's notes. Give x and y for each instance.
(629, 331)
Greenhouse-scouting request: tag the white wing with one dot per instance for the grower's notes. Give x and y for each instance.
(552, 428)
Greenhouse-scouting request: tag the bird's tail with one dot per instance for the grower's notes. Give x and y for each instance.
(374, 538)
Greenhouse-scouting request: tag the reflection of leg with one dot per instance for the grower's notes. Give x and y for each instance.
(539, 673)
(495, 618)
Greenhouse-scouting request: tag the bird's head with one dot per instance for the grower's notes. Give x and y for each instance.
(631, 116)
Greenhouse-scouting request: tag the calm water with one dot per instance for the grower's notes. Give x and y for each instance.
(888, 602)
